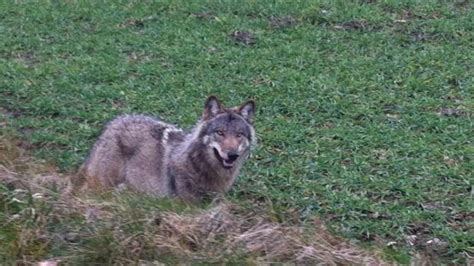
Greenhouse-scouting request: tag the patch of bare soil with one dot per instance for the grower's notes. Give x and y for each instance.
(454, 112)
(136, 22)
(27, 58)
(282, 22)
(353, 25)
(6, 113)
(420, 36)
(462, 4)
(204, 15)
(243, 37)
(408, 14)
(138, 57)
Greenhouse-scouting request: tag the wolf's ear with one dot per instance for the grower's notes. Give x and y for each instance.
(247, 110)
(212, 107)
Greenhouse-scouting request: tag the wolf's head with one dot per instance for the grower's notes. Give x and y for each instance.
(227, 133)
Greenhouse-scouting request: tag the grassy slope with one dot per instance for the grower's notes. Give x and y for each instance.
(348, 118)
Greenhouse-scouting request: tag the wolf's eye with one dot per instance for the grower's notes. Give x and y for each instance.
(239, 135)
(220, 132)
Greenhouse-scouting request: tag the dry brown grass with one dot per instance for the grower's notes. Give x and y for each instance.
(220, 233)
(225, 231)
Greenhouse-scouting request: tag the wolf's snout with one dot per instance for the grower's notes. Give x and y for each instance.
(232, 156)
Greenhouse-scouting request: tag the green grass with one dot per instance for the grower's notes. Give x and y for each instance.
(352, 98)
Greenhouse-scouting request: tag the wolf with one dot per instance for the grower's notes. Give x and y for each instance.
(160, 159)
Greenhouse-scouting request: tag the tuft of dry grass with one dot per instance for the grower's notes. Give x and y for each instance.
(226, 230)
(53, 225)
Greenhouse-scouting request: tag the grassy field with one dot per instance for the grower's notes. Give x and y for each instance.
(364, 107)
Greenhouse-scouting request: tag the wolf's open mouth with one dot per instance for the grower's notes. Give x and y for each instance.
(226, 163)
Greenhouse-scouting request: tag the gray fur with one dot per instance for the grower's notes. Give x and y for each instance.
(160, 159)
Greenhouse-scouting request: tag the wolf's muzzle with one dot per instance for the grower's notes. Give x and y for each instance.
(229, 161)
